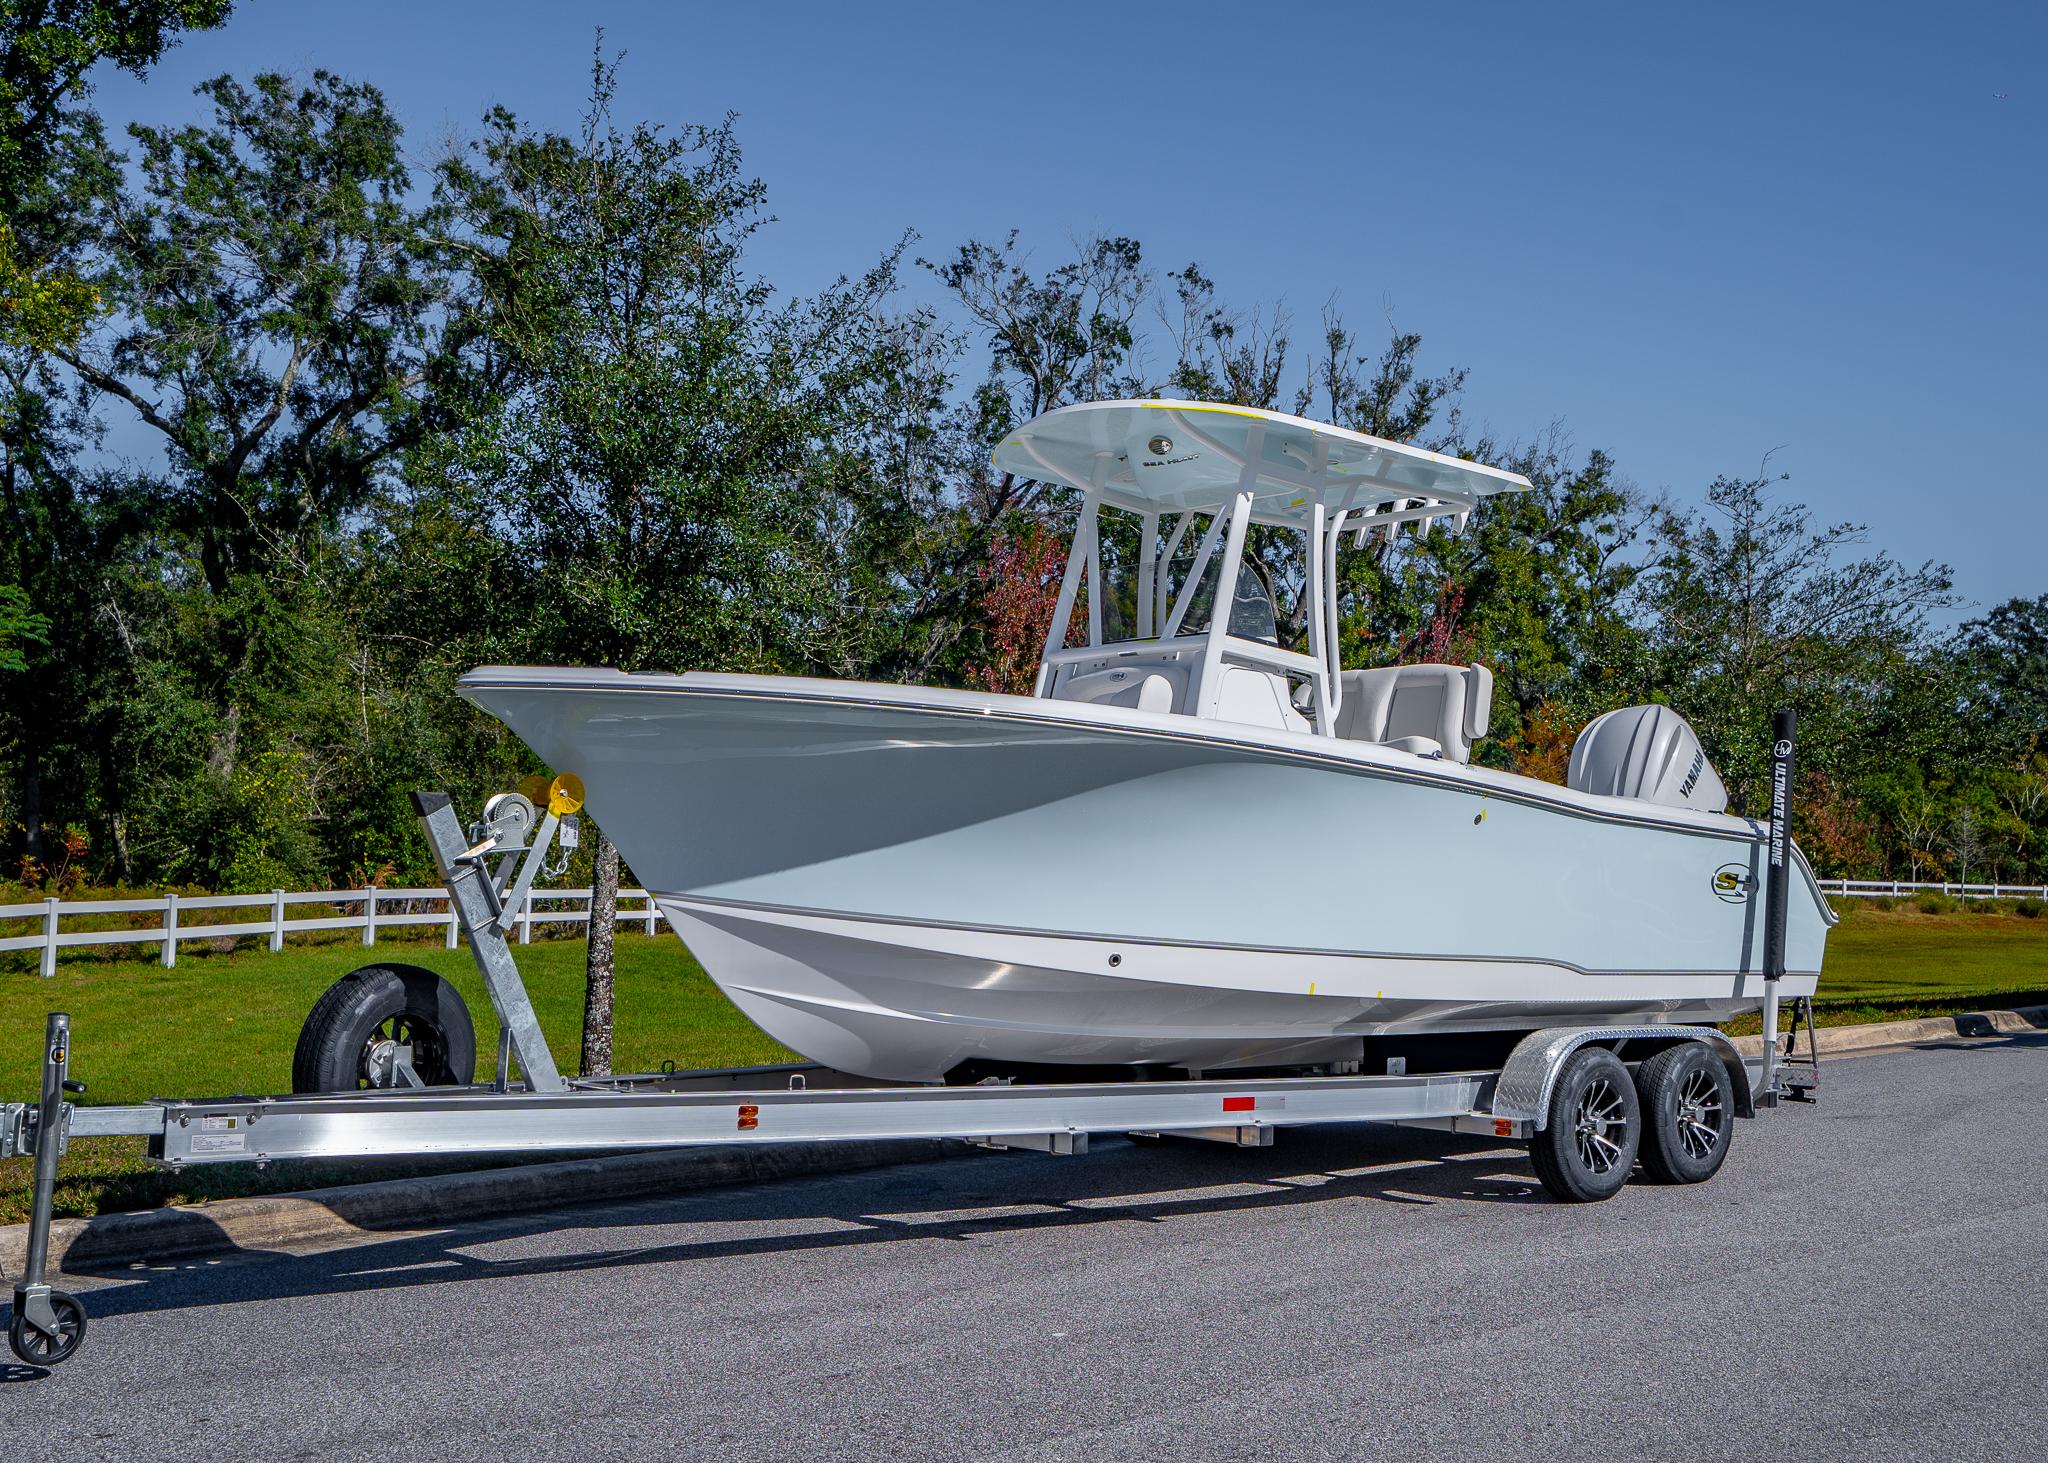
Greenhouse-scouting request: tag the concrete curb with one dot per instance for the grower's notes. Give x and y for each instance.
(353, 1212)
(1929, 1028)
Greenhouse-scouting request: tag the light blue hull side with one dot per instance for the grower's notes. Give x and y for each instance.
(1114, 892)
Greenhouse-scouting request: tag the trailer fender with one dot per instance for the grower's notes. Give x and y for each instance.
(1523, 1091)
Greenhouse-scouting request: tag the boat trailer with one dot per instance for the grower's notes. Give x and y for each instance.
(1590, 1100)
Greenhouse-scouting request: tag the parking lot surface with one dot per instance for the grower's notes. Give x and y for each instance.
(1863, 1280)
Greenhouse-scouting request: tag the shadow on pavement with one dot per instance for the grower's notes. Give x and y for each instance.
(957, 1199)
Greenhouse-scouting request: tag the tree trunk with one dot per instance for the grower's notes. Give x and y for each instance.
(32, 806)
(118, 822)
(597, 984)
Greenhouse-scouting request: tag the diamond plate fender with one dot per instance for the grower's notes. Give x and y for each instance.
(1523, 1091)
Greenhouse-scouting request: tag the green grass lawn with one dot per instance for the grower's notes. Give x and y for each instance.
(226, 1023)
(1892, 965)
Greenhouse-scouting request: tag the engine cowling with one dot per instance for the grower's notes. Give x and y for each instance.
(1646, 752)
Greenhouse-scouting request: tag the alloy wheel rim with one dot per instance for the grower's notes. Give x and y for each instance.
(1701, 1115)
(1599, 1126)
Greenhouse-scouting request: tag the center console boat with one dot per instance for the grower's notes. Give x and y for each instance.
(1194, 847)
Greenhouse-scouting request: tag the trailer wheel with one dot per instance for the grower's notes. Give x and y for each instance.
(355, 1028)
(1688, 1114)
(36, 1349)
(1587, 1148)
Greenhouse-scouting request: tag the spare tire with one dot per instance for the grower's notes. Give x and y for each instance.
(353, 1025)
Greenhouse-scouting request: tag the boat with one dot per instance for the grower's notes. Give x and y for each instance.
(1198, 845)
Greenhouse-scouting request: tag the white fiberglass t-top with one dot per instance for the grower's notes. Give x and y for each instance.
(1195, 847)
(1151, 472)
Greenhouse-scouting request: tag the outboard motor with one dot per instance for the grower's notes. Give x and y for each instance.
(1647, 752)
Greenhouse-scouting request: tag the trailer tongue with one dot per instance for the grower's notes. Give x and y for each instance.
(1592, 1101)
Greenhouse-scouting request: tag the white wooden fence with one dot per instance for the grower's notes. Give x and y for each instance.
(379, 909)
(1880, 888)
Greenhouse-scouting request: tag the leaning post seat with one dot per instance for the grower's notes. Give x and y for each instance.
(1419, 708)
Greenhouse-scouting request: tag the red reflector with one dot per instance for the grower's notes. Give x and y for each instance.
(1239, 1104)
(1503, 1128)
(750, 1115)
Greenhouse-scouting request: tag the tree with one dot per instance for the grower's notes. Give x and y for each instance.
(1021, 591)
(48, 49)
(664, 470)
(1226, 355)
(1749, 607)
(280, 303)
(2008, 652)
(278, 311)
(18, 624)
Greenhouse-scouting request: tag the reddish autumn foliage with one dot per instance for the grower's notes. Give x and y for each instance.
(1833, 828)
(1545, 750)
(1020, 591)
(1442, 639)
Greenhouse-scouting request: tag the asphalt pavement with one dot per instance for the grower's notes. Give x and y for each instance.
(1865, 1279)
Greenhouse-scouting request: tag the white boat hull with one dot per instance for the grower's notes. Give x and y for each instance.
(903, 882)
(915, 1001)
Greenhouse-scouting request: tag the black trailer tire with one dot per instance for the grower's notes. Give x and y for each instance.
(385, 1002)
(36, 1349)
(1688, 1104)
(1587, 1148)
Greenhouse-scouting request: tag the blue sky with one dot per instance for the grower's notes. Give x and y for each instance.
(1693, 234)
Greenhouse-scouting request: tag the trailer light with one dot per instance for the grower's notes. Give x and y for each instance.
(1503, 1127)
(750, 1115)
(1239, 1104)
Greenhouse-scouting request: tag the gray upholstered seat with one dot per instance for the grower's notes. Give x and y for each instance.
(1419, 708)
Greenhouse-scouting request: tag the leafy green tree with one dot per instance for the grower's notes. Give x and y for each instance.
(48, 49)
(18, 625)
(1748, 606)
(664, 471)
(280, 309)
(2008, 651)
(278, 313)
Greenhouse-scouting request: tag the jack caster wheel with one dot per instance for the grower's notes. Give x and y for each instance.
(1588, 1147)
(36, 1349)
(1688, 1114)
(376, 1024)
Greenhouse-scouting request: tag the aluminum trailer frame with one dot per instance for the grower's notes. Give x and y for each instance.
(546, 1112)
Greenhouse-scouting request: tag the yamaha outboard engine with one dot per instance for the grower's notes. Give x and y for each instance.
(1646, 752)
